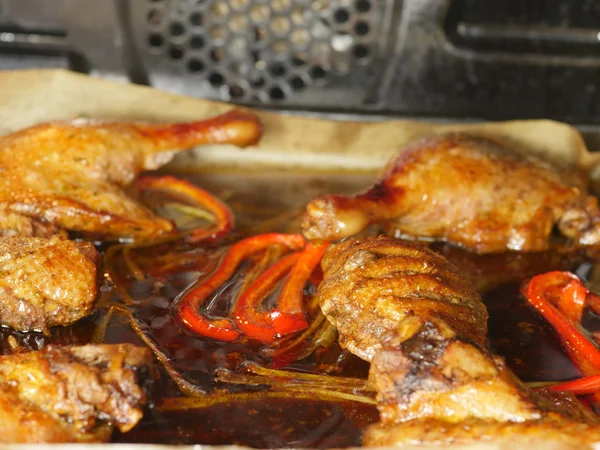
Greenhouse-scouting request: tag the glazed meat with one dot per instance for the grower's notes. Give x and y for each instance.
(72, 394)
(472, 192)
(436, 387)
(45, 281)
(370, 285)
(12, 224)
(72, 175)
(408, 311)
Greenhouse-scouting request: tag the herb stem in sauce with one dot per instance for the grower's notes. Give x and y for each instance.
(186, 403)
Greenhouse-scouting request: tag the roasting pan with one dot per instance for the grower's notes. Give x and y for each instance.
(290, 143)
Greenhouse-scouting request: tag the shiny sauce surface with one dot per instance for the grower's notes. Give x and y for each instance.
(273, 202)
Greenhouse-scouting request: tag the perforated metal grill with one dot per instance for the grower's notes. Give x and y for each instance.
(261, 51)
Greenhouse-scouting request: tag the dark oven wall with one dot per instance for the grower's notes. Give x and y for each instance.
(462, 59)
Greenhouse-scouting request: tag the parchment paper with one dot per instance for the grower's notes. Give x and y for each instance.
(29, 97)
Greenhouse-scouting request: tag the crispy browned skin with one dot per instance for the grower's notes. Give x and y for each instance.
(436, 387)
(45, 281)
(370, 285)
(72, 394)
(408, 311)
(12, 224)
(468, 191)
(72, 175)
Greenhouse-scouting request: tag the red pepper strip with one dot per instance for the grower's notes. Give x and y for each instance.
(582, 386)
(291, 317)
(224, 220)
(572, 300)
(255, 324)
(188, 306)
(555, 287)
(317, 276)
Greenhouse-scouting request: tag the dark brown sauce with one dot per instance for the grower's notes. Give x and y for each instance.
(274, 423)
(524, 339)
(515, 331)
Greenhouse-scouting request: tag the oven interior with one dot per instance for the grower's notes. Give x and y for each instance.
(440, 60)
(437, 59)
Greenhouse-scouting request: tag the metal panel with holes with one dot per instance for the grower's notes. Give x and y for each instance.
(299, 52)
(449, 59)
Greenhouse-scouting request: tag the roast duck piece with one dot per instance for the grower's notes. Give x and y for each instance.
(406, 310)
(46, 281)
(59, 177)
(72, 393)
(371, 285)
(73, 175)
(469, 191)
